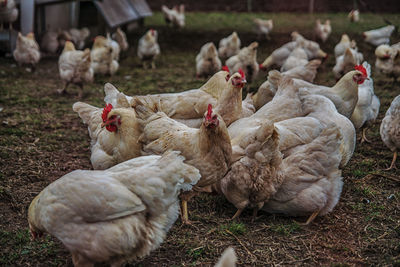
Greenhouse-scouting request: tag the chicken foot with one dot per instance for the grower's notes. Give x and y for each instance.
(64, 90)
(364, 136)
(311, 218)
(393, 164)
(237, 214)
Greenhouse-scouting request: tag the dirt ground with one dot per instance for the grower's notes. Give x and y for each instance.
(41, 139)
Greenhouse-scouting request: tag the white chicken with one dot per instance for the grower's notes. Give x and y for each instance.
(120, 37)
(344, 43)
(227, 259)
(279, 55)
(298, 57)
(79, 36)
(347, 61)
(263, 27)
(229, 46)
(267, 91)
(8, 13)
(102, 57)
(388, 59)
(75, 67)
(246, 60)
(207, 61)
(50, 42)
(148, 48)
(354, 15)
(113, 132)
(208, 148)
(390, 129)
(368, 104)
(115, 47)
(27, 50)
(174, 16)
(322, 30)
(379, 36)
(115, 215)
(321, 108)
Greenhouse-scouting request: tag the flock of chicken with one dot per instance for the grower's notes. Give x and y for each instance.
(280, 150)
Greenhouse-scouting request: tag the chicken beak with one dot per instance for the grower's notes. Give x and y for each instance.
(321, 54)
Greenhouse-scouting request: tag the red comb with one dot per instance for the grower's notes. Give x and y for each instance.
(106, 110)
(241, 73)
(209, 112)
(152, 31)
(361, 69)
(225, 68)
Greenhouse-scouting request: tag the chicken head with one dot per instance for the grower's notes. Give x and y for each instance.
(239, 80)
(110, 120)
(211, 120)
(361, 75)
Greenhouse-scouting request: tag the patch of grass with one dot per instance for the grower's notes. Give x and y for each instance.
(357, 173)
(234, 227)
(196, 253)
(286, 229)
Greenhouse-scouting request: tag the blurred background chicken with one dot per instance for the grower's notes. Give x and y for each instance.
(322, 30)
(208, 148)
(229, 46)
(102, 57)
(227, 259)
(298, 57)
(116, 215)
(354, 15)
(207, 61)
(347, 61)
(263, 27)
(114, 134)
(27, 50)
(50, 42)
(379, 36)
(246, 60)
(8, 13)
(174, 16)
(388, 59)
(344, 43)
(279, 56)
(368, 104)
(75, 67)
(79, 36)
(148, 48)
(116, 50)
(390, 129)
(120, 37)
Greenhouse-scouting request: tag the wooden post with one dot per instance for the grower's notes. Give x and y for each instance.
(27, 15)
(311, 6)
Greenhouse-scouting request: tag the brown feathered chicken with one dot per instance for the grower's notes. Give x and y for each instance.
(114, 133)
(75, 67)
(246, 60)
(229, 46)
(308, 177)
(174, 16)
(379, 36)
(8, 12)
(208, 148)
(267, 91)
(27, 50)
(390, 129)
(148, 48)
(102, 58)
(207, 61)
(120, 37)
(322, 30)
(263, 27)
(115, 215)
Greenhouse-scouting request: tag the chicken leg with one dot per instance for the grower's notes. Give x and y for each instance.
(393, 164)
(237, 214)
(185, 197)
(64, 90)
(311, 218)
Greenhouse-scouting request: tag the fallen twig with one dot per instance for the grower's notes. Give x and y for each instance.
(241, 243)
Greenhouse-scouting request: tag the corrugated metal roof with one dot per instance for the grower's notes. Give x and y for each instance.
(118, 12)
